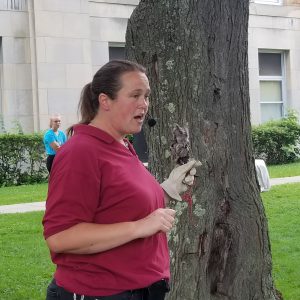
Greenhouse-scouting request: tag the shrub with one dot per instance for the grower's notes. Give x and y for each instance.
(22, 159)
(277, 141)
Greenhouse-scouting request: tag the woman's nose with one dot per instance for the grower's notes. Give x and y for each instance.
(145, 102)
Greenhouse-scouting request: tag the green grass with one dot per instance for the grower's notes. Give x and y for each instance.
(282, 204)
(23, 193)
(286, 170)
(26, 269)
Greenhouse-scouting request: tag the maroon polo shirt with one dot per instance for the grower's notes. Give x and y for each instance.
(96, 179)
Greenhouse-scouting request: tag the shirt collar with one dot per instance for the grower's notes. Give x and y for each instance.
(93, 131)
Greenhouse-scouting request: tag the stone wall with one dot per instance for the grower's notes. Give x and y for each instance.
(50, 48)
(15, 68)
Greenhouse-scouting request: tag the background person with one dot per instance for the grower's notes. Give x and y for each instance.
(105, 221)
(53, 140)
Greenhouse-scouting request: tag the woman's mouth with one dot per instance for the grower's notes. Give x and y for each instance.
(140, 118)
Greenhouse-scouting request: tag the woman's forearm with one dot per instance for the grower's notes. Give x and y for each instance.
(89, 238)
(55, 146)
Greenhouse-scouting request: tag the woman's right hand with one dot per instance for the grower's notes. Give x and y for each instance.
(161, 219)
(89, 238)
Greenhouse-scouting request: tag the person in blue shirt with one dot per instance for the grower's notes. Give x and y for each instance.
(53, 139)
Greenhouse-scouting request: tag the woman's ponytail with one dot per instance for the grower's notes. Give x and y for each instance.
(87, 108)
(88, 104)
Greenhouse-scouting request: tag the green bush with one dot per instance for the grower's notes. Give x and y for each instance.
(22, 159)
(277, 141)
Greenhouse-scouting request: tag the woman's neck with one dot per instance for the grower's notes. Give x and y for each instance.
(108, 129)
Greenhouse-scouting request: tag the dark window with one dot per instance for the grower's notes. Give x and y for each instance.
(116, 53)
(270, 64)
(140, 146)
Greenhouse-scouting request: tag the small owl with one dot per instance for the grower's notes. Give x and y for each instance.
(180, 146)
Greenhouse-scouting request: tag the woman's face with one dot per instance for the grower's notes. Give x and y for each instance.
(129, 108)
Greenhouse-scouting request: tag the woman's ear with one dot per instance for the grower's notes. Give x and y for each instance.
(104, 102)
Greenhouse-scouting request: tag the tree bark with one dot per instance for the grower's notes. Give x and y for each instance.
(196, 57)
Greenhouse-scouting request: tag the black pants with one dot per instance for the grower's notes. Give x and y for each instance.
(155, 291)
(49, 162)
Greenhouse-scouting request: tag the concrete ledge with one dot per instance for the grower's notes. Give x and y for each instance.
(22, 207)
(277, 181)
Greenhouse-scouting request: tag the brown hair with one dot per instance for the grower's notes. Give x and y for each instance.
(106, 81)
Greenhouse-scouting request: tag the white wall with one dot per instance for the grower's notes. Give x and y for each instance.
(51, 48)
(63, 57)
(108, 22)
(15, 71)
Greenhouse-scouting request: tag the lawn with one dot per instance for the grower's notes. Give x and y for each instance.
(286, 170)
(23, 193)
(282, 206)
(27, 269)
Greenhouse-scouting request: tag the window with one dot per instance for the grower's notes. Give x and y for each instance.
(271, 2)
(272, 85)
(116, 51)
(21, 5)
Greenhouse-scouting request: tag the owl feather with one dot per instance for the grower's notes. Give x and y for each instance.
(180, 145)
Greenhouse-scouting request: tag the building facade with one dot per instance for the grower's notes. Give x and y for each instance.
(50, 48)
(274, 58)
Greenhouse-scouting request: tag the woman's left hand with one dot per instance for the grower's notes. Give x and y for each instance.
(180, 178)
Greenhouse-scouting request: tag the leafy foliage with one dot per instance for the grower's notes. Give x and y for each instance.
(277, 141)
(22, 159)
(130, 138)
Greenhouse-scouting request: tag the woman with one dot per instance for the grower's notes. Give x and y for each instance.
(53, 140)
(105, 221)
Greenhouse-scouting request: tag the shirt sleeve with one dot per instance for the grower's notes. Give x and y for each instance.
(49, 138)
(65, 137)
(74, 191)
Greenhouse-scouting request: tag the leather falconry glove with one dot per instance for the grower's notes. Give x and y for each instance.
(180, 178)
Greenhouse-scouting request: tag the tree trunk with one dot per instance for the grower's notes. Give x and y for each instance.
(196, 56)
